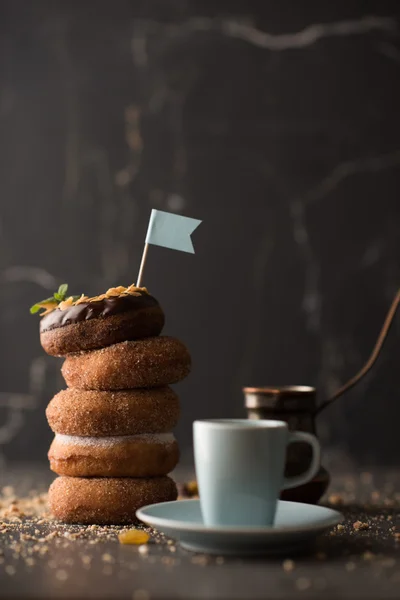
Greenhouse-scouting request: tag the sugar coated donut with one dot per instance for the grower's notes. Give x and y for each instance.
(146, 363)
(101, 413)
(99, 323)
(106, 501)
(144, 455)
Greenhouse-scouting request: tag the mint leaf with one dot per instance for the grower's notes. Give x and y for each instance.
(34, 309)
(39, 305)
(50, 300)
(62, 290)
(56, 298)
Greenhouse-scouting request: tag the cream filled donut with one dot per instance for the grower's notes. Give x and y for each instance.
(143, 455)
(106, 501)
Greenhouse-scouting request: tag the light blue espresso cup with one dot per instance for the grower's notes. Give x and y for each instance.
(240, 469)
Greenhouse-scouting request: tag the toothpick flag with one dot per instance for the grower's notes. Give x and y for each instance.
(170, 231)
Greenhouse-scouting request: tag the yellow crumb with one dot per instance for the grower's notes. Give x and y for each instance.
(133, 536)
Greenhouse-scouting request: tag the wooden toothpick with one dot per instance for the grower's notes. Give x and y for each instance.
(142, 265)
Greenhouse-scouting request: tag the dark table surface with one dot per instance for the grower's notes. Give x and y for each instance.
(42, 559)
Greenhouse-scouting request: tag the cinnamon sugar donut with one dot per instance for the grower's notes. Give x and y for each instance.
(102, 413)
(150, 362)
(99, 323)
(144, 455)
(105, 501)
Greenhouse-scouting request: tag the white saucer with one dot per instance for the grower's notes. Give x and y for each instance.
(296, 524)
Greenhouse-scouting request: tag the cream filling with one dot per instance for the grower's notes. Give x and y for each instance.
(78, 440)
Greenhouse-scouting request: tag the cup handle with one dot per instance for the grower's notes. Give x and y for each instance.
(296, 480)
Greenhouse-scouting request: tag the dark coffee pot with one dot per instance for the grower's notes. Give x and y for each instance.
(297, 405)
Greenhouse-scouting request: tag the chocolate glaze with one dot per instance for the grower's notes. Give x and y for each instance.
(95, 310)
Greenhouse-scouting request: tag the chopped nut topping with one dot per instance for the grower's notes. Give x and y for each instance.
(65, 303)
(114, 292)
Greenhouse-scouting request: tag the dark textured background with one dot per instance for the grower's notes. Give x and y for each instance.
(278, 124)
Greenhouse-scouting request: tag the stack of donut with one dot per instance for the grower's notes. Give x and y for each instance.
(113, 446)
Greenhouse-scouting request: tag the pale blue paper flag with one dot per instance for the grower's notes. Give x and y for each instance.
(171, 231)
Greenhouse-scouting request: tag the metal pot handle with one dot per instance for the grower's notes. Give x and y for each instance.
(371, 361)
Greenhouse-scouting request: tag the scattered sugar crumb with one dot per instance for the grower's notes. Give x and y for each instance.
(106, 557)
(141, 595)
(335, 499)
(303, 583)
(61, 575)
(388, 562)
(107, 570)
(288, 565)
(200, 559)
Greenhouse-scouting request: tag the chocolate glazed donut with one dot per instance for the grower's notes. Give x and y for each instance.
(100, 323)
